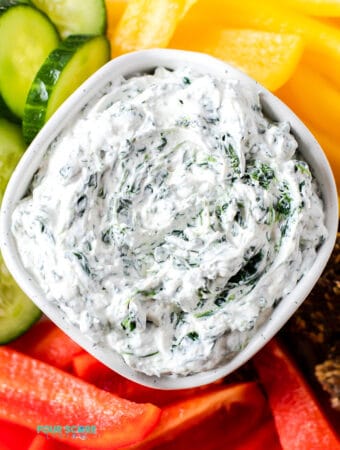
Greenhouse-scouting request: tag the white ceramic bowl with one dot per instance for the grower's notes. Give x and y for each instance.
(128, 65)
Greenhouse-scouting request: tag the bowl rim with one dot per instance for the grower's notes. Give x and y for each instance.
(128, 65)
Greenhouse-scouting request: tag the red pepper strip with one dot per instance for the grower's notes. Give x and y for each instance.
(234, 429)
(14, 437)
(46, 342)
(41, 442)
(265, 437)
(89, 369)
(181, 416)
(298, 417)
(34, 394)
(218, 433)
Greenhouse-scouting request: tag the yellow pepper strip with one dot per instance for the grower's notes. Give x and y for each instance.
(270, 58)
(314, 99)
(147, 24)
(322, 8)
(333, 21)
(267, 15)
(114, 11)
(321, 65)
(331, 147)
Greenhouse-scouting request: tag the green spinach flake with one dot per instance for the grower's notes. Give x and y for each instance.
(264, 174)
(193, 335)
(204, 314)
(302, 167)
(92, 180)
(148, 293)
(83, 262)
(283, 205)
(123, 204)
(233, 158)
(128, 324)
(106, 236)
(164, 141)
(149, 355)
(248, 274)
(180, 234)
(81, 205)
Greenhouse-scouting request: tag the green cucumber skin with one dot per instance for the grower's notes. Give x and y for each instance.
(46, 81)
(5, 4)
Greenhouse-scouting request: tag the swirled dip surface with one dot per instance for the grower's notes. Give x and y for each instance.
(169, 218)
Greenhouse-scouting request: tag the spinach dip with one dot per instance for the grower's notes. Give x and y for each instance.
(169, 218)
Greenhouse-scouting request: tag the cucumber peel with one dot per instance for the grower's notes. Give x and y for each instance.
(65, 69)
(5, 4)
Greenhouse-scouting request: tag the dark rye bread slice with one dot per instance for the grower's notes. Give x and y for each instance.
(313, 335)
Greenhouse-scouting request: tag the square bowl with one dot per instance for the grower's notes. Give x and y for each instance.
(144, 62)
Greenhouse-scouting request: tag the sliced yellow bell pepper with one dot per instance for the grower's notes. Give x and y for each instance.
(331, 147)
(114, 11)
(314, 99)
(147, 24)
(270, 58)
(323, 66)
(322, 8)
(274, 16)
(333, 21)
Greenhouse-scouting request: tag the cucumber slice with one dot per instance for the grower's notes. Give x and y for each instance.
(63, 71)
(75, 17)
(17, 312)
(27, 37)
(12, 147)
(7, 113)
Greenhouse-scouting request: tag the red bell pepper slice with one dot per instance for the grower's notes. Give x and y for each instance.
(14, 437)
(218, 432)
(89, 369)
(181, 416)
(41, 442)
(298, 417)
(46, 342)
(264, 437)
(35, 394)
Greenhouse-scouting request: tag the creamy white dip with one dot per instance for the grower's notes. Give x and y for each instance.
(170, 218)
